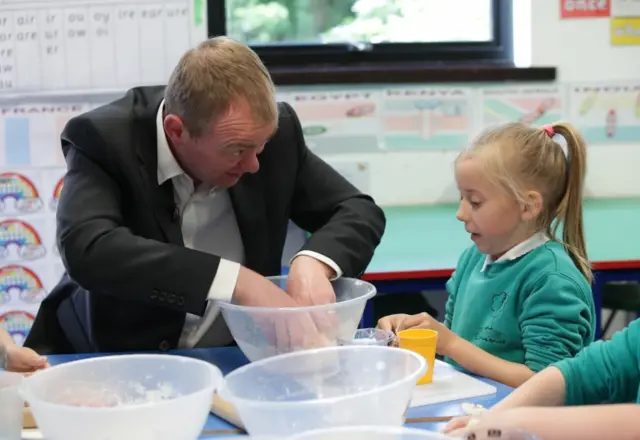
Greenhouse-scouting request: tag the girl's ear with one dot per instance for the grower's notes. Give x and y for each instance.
(532, 206)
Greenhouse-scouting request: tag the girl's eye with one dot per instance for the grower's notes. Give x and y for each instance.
(474, 204)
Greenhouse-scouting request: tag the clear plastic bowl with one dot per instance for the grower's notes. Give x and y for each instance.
(123, 397)
(325, 387)
(262, 332)
(369, 433)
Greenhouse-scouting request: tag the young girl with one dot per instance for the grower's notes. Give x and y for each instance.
(519, 300)
(603, 372)
(19, 359)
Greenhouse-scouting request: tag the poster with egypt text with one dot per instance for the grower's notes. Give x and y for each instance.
(533, 105)
(426, 118)
(339, 121)
(606, 113)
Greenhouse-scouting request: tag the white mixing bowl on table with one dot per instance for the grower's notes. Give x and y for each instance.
(123, 397)
(325, 387)
(262, 332)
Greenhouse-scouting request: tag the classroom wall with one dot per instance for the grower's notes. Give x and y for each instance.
(396, 142)
(592, 73)
(581, 50)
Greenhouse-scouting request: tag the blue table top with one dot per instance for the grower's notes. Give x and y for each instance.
(228, 359)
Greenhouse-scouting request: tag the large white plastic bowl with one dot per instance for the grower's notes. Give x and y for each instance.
(325, 387)
(369, 433)
(125, 397)
(262, 332)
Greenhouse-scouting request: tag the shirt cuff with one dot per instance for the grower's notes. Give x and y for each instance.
(224, 282)
(326, 260)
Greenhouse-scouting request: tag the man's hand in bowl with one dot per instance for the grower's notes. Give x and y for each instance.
(287, 331)
(308, 282)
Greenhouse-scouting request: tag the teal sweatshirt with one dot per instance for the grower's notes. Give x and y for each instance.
(606, 371)
(536, 309)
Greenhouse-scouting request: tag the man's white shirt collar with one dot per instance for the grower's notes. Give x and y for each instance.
(168, 167)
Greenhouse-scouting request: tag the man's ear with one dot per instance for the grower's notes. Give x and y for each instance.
(532, 205)
(174, 128)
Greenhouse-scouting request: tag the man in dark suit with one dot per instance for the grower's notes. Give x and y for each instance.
(179, 197)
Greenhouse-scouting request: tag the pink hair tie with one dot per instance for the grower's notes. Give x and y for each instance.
(549, 130)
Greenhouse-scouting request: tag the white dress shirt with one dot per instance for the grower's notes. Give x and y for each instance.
(208, 224)
(523, 248)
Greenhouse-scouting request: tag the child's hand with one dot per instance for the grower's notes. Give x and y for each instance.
(392, 323)
(458, 425)
(503, 424)
(23, 359)
(396, 323)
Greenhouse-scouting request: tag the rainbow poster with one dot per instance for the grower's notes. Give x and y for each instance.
(23, 281)
(56, 194)
(20, 189)
(21, 235)
(17, 323)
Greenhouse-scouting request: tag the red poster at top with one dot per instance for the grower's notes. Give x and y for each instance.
(585, 8)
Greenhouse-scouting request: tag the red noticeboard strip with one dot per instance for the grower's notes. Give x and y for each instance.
(443, 273)
(585, 8)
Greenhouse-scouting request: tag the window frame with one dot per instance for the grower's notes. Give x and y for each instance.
(498, 52)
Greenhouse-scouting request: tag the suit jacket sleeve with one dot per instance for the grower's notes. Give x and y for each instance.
(101, 254)
(346, 225)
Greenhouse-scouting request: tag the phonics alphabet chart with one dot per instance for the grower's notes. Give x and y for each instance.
(81, 45)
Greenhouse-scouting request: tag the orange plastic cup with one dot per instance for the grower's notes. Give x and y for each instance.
(422, 341)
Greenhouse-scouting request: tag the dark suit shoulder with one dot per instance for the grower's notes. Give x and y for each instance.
(288, 122)
(288, 137)
(109, 129)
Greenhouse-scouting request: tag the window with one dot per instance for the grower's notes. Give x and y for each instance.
(298, 33)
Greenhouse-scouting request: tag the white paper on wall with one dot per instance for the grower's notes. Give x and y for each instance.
(356, 172)
(426, 118)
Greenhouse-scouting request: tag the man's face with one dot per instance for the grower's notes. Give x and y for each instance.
(224, 152)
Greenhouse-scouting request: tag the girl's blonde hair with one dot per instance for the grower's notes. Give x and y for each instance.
(520, 158)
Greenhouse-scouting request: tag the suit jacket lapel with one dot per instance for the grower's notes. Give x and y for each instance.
(161, 196)
(247, 197)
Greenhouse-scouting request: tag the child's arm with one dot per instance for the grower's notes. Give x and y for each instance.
(557, 320)
(585, 423)
(546, 388)
(477, 361)
(5, 339)
(21, 359)
(556, 323)
(605, 371)
(467, 355)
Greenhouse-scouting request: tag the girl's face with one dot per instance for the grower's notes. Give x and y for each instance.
(494, 218)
